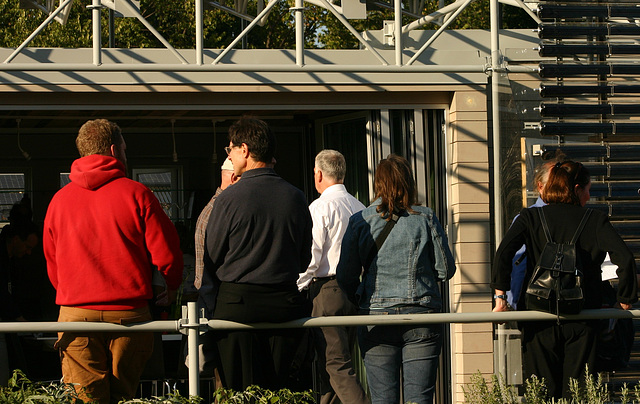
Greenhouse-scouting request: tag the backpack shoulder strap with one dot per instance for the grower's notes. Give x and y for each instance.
(380, 240)
(583, 222)
(545, 226)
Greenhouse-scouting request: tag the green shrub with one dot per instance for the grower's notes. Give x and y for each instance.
(536, 391)
(496, 392)
(257, 395)
(591, 391)
(21, 390)
(173, 398)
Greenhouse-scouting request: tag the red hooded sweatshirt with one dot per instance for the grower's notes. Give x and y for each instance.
(103, 235)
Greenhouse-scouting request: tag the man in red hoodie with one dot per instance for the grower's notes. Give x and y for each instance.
(104, 234)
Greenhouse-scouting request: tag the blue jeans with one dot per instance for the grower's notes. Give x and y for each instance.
(388, 349)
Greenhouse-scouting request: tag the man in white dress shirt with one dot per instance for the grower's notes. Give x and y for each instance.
(330, 214)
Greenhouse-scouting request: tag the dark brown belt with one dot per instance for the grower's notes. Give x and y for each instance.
(323, 279)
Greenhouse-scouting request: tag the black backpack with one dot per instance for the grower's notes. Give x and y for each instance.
(556, 284)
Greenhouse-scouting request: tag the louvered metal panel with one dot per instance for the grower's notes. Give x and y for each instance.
(587, 97)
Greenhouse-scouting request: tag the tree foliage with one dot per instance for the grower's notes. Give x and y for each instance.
(175, 20)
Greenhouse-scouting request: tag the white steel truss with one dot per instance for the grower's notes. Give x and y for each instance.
(348, 9)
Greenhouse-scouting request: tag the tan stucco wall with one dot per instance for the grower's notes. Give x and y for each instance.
(472, 344)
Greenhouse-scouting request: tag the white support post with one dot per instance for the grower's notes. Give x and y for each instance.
(397, 11)
(299, 18)
(97, 32)
(192, 345)
(496, 63)
(199, 32)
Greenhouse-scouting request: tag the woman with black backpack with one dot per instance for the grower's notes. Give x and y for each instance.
(559, 350)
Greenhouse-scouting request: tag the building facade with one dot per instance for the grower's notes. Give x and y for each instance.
(462, 110)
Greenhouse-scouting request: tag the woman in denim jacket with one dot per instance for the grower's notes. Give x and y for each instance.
(400, 277)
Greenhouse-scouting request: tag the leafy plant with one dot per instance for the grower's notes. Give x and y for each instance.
(592, 391)
(596, 391)
(536, 390)
(173, 398)
(624, 394)
(498, 392)
(257, 395)
(21, 390)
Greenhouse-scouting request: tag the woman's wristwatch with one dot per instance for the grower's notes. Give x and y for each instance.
(503, 297)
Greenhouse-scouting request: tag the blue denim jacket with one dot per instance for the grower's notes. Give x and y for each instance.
(406, 270)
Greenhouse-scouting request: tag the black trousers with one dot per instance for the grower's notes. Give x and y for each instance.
(260, 357)
(558, 352)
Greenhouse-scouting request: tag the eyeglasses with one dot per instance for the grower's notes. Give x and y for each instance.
(228, 150)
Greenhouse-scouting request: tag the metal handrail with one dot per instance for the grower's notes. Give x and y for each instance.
(193, 326)
(427, 318)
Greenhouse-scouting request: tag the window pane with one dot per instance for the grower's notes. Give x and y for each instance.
(350, 138)
(160, 183)
(64, 179)
(11, 191)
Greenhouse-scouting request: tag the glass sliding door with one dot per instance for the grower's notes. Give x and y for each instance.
(348, 135)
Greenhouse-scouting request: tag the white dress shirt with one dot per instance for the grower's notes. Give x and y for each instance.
(330, 214)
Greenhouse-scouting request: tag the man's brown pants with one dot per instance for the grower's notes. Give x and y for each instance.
(107, 365)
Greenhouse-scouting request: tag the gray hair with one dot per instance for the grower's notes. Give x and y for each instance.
(332, 164)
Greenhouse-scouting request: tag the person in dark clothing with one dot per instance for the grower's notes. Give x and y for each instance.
(558, 352)
(256, 248)
(16, 241)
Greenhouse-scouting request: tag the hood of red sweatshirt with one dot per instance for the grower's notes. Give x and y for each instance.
(94, 171)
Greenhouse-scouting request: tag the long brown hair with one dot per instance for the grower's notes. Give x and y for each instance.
(563, 178)
(394, 184)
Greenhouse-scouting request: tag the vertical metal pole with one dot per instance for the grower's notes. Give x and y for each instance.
(496, 63)
(199, 32)
(299, 13)
(385, 133)
(243, 24)
(97, 33)
(192, 345)
(397, 11)
(112, 28)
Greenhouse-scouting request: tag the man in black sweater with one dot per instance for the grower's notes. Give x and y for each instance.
(258, 243)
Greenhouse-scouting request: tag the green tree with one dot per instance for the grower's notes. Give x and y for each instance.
(515, 17)
(175, 20)
(475, 16)
(336, 36)
(17, 24)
